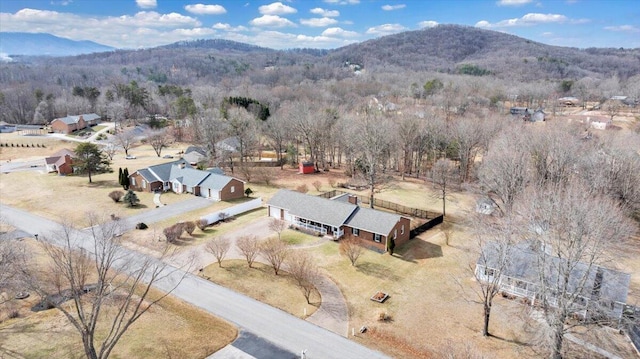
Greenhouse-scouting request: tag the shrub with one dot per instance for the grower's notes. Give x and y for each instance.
(173, 233)
(141, 225)
(303, 188)
(201, 223)
(131, 199)
(383, 316)
(13, 314)
(224, 216)
(248, 192)
(331, 182)
(189, 227)
(116, 196)
(317, 185)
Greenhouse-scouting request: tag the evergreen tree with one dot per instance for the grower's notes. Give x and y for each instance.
(120, 176)
(89, 159)
(131, 199)
(124, 180)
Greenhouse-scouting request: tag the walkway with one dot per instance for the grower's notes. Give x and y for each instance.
(333, 313)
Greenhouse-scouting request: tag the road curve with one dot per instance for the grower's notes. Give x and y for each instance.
(280, 329)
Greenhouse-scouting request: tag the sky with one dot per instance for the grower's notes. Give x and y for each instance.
(327, 24)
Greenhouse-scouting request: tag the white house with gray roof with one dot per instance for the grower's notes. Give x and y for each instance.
(179, 177)
(340, 216)
(594, 288)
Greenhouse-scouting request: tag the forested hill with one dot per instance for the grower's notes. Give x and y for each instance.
(448, 48)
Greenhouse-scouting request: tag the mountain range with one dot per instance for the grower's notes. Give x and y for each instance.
(444, 48)
(41, 44)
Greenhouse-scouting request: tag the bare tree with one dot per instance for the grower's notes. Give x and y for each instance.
(158, 139)
(12, 255)
(109, 286)
(277, 133)
(275, 252)
(249, 247)
(612, 108)
(494, 244)
(443, 180)
(219, 247)
(110, 149)
(576, 231)
(505, 170)
(126, 140)
(304, 271)
(278, 226)
(374, 139)
(351, 248)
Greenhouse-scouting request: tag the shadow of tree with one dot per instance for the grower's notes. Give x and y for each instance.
(102, 183)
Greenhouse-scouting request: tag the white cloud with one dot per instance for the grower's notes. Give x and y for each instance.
(623, 28)
(325, 12)
(338, 32)
(547, 34)
(276, 8)
(393, 7)
(144, 29)
(386, 29)
(146, 4)
(343, 2)
(271, 21)
(318, 22)
(281, 40)
(202, 9)
(528, 20)
(513, 2)
(427, 23)
(227, 27)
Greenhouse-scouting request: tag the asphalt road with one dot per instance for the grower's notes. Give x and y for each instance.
(280, 333)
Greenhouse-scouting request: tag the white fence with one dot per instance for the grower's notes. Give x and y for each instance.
(233, 211)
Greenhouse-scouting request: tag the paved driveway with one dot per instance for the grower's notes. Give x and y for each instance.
(282, 330)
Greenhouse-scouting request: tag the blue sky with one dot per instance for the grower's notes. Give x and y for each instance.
(320, 23)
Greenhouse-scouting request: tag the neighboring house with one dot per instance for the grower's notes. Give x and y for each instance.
(60, 162)
(339, 216)
(520, 278)
(537, 116)
(228, 145)
(179, 177)
(194, 154)
(70, 124)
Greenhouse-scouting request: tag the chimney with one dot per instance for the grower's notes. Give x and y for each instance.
(353, 199)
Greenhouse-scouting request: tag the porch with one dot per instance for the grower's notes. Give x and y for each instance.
(323, 229)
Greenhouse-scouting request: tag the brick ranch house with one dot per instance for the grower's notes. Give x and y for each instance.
(70, 124)
(60, 162)
(340, 216)
(179, 177)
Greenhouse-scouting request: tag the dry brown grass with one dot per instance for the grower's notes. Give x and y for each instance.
(260, 283)
(172, 328)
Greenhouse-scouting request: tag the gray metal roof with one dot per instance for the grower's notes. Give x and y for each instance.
(374, 221)
(313, 208)
(192, 177)
(74, 119)
(215, 181)
(163, 171)
(523, 265)
(147, 175)
(193, 157)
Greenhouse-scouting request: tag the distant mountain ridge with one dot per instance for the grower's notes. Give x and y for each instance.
(41, 44)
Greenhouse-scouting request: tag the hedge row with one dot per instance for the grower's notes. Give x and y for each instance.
(22, 145)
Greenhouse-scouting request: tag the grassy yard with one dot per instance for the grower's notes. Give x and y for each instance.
(171, 329)
(262, 284)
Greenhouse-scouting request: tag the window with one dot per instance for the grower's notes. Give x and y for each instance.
(402, 230)
(377, 237)
(489, 272)
(133, 181)
(355, 231)
(233, 189)
(144, 184)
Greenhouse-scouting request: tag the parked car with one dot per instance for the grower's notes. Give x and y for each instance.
(130, 157)
(167, 156)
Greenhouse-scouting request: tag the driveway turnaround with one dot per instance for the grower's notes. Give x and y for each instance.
(263, 324)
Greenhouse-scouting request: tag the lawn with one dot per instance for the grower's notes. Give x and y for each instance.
(262, 284)
(171, 329)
